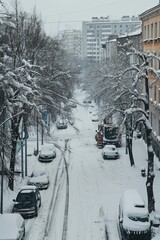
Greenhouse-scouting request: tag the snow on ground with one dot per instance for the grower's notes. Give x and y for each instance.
(95, 185)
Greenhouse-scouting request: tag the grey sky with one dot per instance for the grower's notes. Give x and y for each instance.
(68, 14)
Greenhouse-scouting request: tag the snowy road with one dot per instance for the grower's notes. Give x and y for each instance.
(95, 185)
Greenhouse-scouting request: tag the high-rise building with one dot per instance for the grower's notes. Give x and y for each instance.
(96, 32)
(72, 42)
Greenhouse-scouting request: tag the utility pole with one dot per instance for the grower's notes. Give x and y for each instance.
(22, 162)
(2, 177)
(37, 137)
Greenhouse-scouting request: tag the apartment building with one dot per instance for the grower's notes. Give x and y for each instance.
(151, 45)
(72, 42)
(96, 32)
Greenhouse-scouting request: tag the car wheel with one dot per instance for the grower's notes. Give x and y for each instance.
(24, 232)
(36, 212)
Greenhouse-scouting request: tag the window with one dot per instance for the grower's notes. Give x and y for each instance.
(159, 95)
(145, 32)
(152, 30)
(151, 118)
(155, 30)
(155, 93)
(159, 63)
(148, 31)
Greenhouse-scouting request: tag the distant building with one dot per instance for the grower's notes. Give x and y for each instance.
(116, 44)
(96, 32)
(72, 42)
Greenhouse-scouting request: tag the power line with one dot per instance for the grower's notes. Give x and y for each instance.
(61, 22)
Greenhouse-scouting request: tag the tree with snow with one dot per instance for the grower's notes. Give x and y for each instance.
(121, 90)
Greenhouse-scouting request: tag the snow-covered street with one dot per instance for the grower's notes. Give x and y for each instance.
(83, 197)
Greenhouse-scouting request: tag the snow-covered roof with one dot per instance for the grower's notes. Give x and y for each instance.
(133, 203)
(133, 33)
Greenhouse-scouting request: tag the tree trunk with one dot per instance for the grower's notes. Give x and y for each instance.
(129, 144)
(129, 136)
(14, 137)
(150, 174)
(12, 165)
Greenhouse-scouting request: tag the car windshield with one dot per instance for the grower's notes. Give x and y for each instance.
(139, 219)
(26, 197)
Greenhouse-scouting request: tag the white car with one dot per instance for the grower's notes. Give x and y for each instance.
(95, 117)
(12, 226)
(110, 152)
(39, 179)
(47, 153)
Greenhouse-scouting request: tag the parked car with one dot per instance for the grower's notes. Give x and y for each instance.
(133, 217)
(12, 226)
(39, 179)
(73, 105)
(61, 124)
(110, 152)
(90, 109)
(28, 201)
(95, 117)
(47, 153)
(87, 101)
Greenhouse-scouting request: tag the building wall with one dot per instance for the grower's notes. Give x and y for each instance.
(72, 42)
(151, 45)
(96, 32)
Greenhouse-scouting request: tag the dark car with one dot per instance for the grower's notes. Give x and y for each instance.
(61, 124)
(27, 202)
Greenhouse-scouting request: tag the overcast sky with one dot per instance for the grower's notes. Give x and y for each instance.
(68, 14)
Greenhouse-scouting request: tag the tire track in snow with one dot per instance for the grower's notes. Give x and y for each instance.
(65, 222)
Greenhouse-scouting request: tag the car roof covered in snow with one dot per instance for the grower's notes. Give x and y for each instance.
(9, 225)
(26, 187)
(133, 203)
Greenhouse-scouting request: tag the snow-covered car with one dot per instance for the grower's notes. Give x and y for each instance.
(39, 179)
(87, 101)
(47, 153)
(90, 109)
(61, 124)
(95, 117)
(110, 152)
(27, 202)
(133, 216)
(12, 226)
(73, 105)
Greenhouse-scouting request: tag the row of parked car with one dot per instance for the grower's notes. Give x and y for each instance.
(92, 109)
(28, 199)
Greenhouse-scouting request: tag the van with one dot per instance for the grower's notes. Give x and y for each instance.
(133, 217)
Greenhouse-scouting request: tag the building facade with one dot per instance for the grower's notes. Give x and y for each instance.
(96, 32)
(151, 45)
(72, 42)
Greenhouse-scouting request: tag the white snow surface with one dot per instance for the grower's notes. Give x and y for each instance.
(95, 185)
